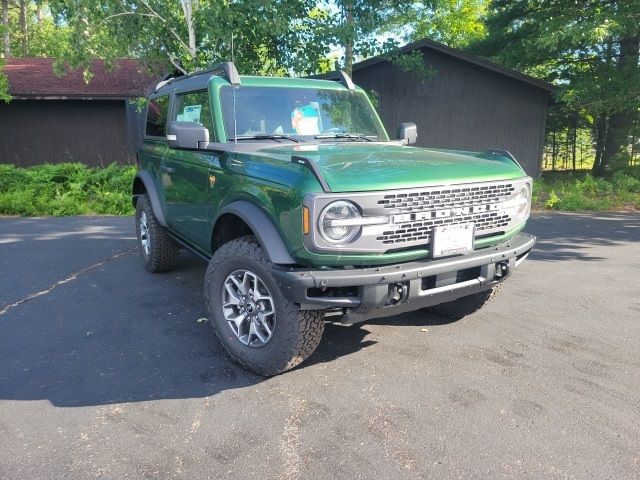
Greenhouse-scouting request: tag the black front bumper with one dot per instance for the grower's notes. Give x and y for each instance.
(373, 292)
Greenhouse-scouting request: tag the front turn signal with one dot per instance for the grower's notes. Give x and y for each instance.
(305, 220)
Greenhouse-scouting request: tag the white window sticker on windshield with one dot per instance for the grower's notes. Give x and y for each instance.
(190, 113)
(305, 120)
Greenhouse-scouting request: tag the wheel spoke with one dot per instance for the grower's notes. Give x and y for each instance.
(264, 323)
(256, 331)
(239, 285)
(234, 298)
(238, 320)
(248, 282)
(267, 307)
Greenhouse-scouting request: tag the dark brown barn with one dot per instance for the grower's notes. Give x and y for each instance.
(467, 103)
(64, 119)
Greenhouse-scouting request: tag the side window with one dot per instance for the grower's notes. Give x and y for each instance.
(157, 116)
(194, 107)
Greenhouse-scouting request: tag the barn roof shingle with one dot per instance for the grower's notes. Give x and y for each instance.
(35, 78)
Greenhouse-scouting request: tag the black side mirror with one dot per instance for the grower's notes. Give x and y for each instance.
(188, 135)
(408, 132)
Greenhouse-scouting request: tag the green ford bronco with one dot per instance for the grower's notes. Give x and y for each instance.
(305, 210)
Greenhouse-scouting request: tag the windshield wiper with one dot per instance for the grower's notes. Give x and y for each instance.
(266, 136)
(349, 136)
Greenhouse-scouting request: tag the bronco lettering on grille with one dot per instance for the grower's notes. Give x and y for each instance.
(445, 213)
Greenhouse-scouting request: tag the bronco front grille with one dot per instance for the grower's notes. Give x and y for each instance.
(405, 218)
(410, 207)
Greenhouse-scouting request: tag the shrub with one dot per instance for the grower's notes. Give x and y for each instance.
(66, 189)
(625, 182)
(582, 191)
(552, 201)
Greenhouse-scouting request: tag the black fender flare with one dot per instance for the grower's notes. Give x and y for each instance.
(152, 192)
(263, 228)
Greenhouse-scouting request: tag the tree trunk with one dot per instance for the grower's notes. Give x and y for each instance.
(553, 151)
(621, 122)
(600, 134)
(187, 8)
(6, 44)
(574, 139)
(39, 11)
(348, 46)
(24, 40)
(566, 150)
(581, 155)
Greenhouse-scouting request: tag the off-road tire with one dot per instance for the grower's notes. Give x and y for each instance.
(464, 306)
(163, 250)
(297, 332)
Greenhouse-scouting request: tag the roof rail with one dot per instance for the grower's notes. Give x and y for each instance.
(336, 76)
(228, 69)
(346, 80)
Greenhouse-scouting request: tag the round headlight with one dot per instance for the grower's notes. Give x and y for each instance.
(334, 222)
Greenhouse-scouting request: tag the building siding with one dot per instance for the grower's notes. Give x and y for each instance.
(462, 107)
(93, 132)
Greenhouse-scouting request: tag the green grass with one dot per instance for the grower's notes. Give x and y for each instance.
(581, 191)
(66, 189)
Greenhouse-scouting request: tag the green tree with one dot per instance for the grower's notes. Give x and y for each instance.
(30, 30)
(355, 27)
(590, 49)
(188, 34)
(6, 45)
(455, 23)
(4, 85)
(268, 37)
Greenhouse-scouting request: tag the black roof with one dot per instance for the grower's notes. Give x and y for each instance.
(455, 53)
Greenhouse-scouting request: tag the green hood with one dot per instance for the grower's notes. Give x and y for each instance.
(358, 167)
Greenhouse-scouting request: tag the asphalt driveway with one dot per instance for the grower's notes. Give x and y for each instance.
(107, 371)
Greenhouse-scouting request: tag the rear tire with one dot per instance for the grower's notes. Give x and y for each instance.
(157, 249)
(258, 327)
(464, 306)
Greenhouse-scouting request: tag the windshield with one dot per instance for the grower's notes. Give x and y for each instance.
(299, 112)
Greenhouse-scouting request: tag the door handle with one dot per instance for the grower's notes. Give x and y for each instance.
(166, 169)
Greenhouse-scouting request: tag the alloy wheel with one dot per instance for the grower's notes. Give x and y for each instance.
(248, 308)
(145, 239)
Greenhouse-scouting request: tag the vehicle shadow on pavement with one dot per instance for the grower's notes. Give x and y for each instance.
(119, 334)
(341, 340)
(569, 236)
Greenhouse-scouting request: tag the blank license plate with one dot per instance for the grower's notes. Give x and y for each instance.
(452, 239)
